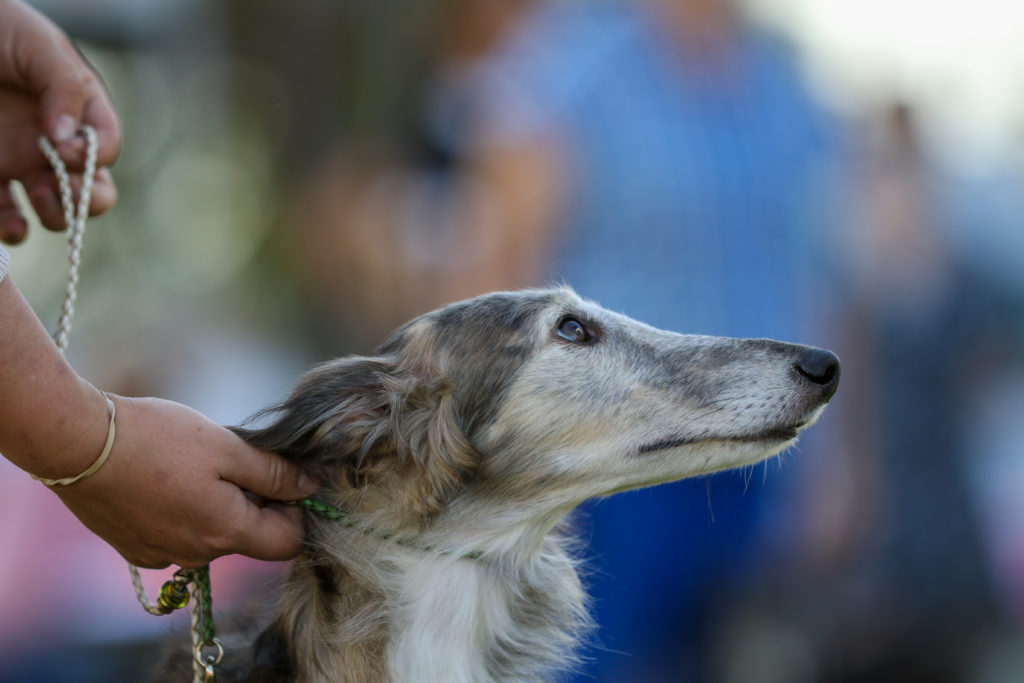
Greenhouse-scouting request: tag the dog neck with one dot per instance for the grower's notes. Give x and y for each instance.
(327, 511)
(396, 612)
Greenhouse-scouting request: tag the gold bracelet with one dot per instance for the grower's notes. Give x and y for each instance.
(98, 462)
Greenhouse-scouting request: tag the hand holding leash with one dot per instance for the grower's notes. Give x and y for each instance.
(47, 88)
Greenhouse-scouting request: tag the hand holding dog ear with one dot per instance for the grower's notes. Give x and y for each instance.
(46, 87)
(174, 491)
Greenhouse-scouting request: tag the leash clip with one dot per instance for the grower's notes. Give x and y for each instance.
(208, 661)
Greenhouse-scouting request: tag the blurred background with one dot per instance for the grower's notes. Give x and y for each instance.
(298, 178)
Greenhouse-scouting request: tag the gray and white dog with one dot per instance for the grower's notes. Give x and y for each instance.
(456, 453)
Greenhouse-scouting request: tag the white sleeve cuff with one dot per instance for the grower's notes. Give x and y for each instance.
(5, 262)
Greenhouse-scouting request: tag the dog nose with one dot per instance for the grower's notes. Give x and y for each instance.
(819, 367)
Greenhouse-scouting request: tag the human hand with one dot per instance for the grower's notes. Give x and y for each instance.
(177, 489)
(46, 87)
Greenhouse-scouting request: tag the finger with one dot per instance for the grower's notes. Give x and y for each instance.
(13, 226)
(63, 94)
(43, 194)
(69, 90)
(273, 533)
(19, 151)
(72, 152)
(99, 113)
(19, 135)
(104, 193)
(269, 475)
(42, 61)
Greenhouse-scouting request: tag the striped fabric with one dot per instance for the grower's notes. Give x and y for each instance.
(5, 262)
(693, 192)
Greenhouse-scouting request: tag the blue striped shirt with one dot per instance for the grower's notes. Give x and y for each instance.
(693, 201)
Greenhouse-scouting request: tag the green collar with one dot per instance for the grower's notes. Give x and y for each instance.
(327, 511)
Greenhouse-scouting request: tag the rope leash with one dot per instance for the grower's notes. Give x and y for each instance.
(174, 594)
(75, 223)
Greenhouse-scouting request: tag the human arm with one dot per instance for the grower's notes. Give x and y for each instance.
(46, 87)
(174, 487)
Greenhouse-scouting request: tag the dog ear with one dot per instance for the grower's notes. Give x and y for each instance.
(336, 412)
(362, 423)
(428, 433)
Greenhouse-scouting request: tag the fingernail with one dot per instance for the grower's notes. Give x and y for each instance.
(66, 128)
(308, 484)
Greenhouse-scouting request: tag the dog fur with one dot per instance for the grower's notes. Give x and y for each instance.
(457, 451)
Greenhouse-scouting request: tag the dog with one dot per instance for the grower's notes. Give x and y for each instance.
(456, 453)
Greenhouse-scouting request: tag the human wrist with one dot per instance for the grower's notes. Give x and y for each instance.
(74, 434)
(50, 418)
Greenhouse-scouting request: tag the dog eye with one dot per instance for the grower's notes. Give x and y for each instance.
(573, 330)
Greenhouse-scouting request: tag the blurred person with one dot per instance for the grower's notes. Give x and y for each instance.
(896, 586)
(400, 219)
(694, 168)
(662, 157)
(174, 489)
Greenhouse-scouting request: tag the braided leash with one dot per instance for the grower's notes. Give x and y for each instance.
(75, 223)
(174, 594)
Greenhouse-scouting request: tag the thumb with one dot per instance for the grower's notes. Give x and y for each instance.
(269, 475)
(45, 63)
(273, 533)
(62, 101)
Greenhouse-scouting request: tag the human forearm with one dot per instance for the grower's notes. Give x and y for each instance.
(52, 422)
(173, 487)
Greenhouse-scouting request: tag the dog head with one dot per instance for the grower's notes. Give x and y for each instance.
(540, 395)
